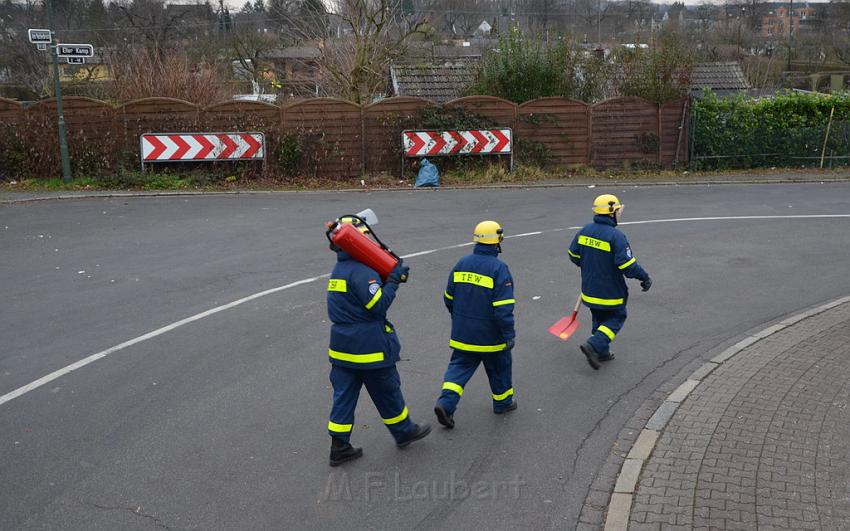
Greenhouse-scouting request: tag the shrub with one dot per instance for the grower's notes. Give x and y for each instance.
(784, 130)
(525, 67)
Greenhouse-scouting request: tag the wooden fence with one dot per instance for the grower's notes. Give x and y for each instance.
(331, 138)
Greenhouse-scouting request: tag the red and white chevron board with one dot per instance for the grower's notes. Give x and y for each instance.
(202, 146)
(476, 142)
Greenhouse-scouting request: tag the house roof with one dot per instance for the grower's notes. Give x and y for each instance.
(439, 82)
(719, 77)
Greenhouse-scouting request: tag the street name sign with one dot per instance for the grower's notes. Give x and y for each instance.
(40, 36)
(74, 50)
(76, 60)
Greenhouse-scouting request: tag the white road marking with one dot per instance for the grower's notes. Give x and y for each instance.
(160, 331)
(524, 234)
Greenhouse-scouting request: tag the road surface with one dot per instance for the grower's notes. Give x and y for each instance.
(218, 421)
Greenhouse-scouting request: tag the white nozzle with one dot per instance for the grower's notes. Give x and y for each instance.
(368, 216)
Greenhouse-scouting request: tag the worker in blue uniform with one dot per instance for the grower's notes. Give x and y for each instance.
(480, 299)
(605, 258)
(364, 349)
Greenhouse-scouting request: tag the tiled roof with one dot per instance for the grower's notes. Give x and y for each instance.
(438, 82)
(718, 76)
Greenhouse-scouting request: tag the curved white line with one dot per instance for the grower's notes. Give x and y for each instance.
(159, 331)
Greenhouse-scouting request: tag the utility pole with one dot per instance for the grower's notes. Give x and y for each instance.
(57, 87)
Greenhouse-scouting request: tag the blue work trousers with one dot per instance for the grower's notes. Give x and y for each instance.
(383, 385)
(606, 325)
(461, 368)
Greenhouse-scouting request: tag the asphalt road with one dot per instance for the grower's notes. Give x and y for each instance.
(220, 424)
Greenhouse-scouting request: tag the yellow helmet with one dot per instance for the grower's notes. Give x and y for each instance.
(488, 232)
(356, 222)
(607, 204)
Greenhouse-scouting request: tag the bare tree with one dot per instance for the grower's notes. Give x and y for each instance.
(838, 29)
(20, 61)
(359, 39)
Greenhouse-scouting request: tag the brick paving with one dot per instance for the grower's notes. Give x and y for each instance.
(763, 442)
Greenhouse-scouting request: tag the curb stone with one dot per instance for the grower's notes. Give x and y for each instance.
(704, 182)
(619, 507)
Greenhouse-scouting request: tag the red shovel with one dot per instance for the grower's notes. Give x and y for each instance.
(566, 326)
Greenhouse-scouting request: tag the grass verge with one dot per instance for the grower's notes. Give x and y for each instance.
(493, 174)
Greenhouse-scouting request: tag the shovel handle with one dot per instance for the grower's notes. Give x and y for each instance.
(578, 303)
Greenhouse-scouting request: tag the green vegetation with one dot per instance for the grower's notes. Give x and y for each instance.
(787, 130)
(525, 67)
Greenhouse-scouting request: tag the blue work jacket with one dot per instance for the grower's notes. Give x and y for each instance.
(605, 258)
(480, 298)
(361, 336)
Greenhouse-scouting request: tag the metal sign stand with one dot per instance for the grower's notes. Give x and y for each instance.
(74, 54)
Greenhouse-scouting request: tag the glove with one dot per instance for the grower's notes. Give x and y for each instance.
(646, 284)
(399, 273)
(509, 344)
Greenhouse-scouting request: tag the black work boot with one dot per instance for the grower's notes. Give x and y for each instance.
(511, 407)
(609, 357)
(342, 451)
(418, 432)
(590, 354)
(444, 418)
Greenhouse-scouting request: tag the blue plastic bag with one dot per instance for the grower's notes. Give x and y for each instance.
(428, 175)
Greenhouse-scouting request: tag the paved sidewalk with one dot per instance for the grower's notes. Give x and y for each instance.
(763, 442)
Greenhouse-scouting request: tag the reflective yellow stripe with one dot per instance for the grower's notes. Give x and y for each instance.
(375, 299)
(339, 428)
(446, 295)
(473, 278)
(337, 284)
(603, 302)
(453, 387)
(509, 392)
(627, 264)
(593, 242)
(476, 348)
(607, 331)
(387, 329)
(574, 255)
(503, 302)
(356, 358)
(396, 420)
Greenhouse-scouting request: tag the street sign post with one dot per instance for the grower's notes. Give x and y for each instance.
(54, 58)
(74, 50)
(40, 36)
(76, 60)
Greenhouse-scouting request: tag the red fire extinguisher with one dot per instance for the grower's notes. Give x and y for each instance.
(371, 252)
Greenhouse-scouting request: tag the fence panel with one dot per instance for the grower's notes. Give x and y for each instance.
(12, 138)
(383, 124)
(92, 142)
(674, 133)
(153, 115)
(245, 116)
(624, 131)
(561, 125)
(501, 112)
(329, 134)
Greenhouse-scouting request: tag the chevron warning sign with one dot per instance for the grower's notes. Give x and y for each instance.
(475, 142)
(160, 147)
